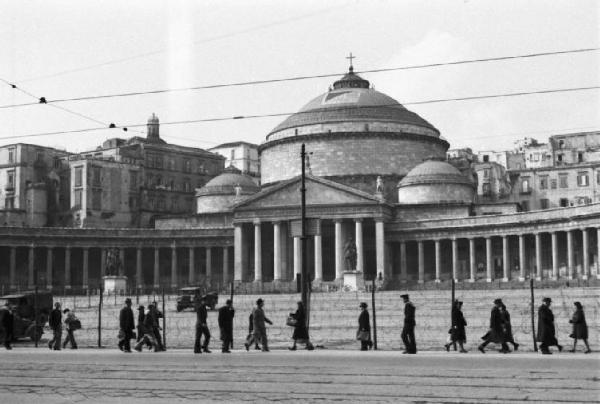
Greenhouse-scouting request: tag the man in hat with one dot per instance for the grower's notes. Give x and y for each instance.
(6, 324)
(260, 330)
(225, 320)
(55, 323)
(364, 328)
(496, 332)
(408, 331)
(546, 332)
(201, 327)
(126, 325)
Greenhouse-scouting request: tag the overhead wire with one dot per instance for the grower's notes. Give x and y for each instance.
(307, 77)
(279, 114)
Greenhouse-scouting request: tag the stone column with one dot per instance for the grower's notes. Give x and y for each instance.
(421, 258)
(49, 257)
(570, 263)
(318, 257)
(538, 256)
(505, 259)
(276, 251)
(455, 260)
(156, 267)
(208, 265)
(521, 257)
(191, 265)
(225, 265)
(138, 267)
(472, 266)
(237, 252)
(257, 253)
(380, 248)
(586, 253)
(13, 267)
(122, 260)
(488, 259)
(339, 251)
(297, 256)
(67, 267)
(360, 251)
(102, 262)
(173, 266)
(438, 261)
(403, 267)
(86, 267)
(31, 267)
(554, 256)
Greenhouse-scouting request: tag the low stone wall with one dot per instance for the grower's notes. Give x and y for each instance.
(333, 320)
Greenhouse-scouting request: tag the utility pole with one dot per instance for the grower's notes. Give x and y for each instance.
(304, 272)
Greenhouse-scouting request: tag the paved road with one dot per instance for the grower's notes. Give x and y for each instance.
(101, 376)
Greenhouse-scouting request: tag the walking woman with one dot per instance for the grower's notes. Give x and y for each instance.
(580, 329)
(72, 324)
(364, 328)
(457, 332)
(507, 326)
(496, 331)
(300, 331)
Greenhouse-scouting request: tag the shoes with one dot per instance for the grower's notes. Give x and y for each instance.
(138, 348)
(8, 348)
(572, 350)
(365, 349)
(56, 349)
(587, 351)
(266, 350)
(310, 347)
(257, 348)
(49, 345)
(481, 349)
(75, 347)
(504, 351)
(447, 346)
(125, 350)
(560, 347)
(247, 347)
(546, 353)
(463, 351)
(292, 348)
(207, 350)
(197, 351)
(516, 347)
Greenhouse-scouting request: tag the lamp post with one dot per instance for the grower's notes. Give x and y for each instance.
(303, 273)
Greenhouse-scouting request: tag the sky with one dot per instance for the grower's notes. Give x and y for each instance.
(67, 49)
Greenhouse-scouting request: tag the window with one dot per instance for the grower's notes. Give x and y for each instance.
(598, 177)
(525, 185)
(562, 180)
(564, 202)
(96, 178)
(486, 173)
(77, 201)
(559, 158)
(544, 203)
(525, 206)
(132, 202)
(158, 180)
(158, 161)
(9, 202)
(486, 189)
(536, 157)
(187, 166)
(174, 204)
(187, 187)
(486, 158)
(11, 155)
(10, 179)
(78, 176)
(56, 163)
(232, 154)
(544, 182)
(39, 156)
(583, 179)
(161, 203)
(561, 144)
(97, 199)
(553, 183)
(580, 157)
(133, 180)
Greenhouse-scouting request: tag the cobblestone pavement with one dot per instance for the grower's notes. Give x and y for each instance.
(109, 376)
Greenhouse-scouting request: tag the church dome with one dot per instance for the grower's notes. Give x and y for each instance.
(224, 191)
(435, 181)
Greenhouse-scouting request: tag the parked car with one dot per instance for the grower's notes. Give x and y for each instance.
(188, 296)
(27, 309)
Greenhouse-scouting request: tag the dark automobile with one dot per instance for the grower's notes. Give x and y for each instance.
(188, 297)
(25, 313)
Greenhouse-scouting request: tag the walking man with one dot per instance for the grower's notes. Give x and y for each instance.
(496, 332)
(127, 325)
(55, 323)
(201, 327)
(260, 330)
(225, 319)
(408, 331)
(6, 325)
(546, 332)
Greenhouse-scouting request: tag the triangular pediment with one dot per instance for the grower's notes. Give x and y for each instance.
(318, 192)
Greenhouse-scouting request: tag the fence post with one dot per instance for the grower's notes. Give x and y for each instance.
(231, 297)
(374, 315)
(451, 312)
(164, 320)
(535, 347)
(100, 319)
(35, 317)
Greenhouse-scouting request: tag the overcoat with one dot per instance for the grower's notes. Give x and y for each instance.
(126, 322)
(300, 331)
(259, 318)
(496, 331)
(225, 320)
(458, 333)
(580, 329)
(546, 332)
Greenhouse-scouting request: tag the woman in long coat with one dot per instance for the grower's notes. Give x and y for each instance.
(300, 331)
(496, 331)
(507, 326)
(546, 332)
(364, 328)
(458, 333)
(580, 329)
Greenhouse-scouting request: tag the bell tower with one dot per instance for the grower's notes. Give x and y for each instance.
(153, 129)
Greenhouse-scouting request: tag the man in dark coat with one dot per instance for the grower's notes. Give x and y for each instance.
(546, 333)
(580, 328)
(364, 328)
(201, 327)
(408, 331)
(55, 323)
(496, 331)
(225, 320)
(6, 325)
(127, 325)
(260, 329)
(457, 331)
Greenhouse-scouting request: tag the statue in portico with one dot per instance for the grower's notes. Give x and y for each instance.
(113, 261)
(379, 185)
(350, 254)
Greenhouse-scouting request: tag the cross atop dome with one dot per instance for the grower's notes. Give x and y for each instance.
(350, 57)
